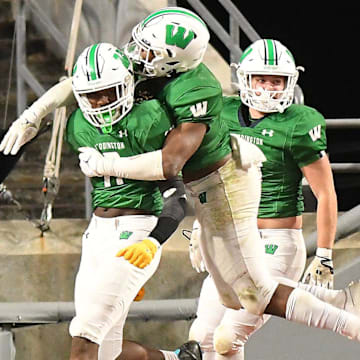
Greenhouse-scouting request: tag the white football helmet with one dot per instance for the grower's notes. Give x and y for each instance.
(267, 57)
(99, 67)
(169, 40)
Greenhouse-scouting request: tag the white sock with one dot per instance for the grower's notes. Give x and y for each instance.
(334, 297)
(169, 355)
(304, 308)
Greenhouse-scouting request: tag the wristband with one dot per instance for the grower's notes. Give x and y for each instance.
(324, 252)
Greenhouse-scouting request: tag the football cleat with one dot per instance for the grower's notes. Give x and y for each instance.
(352, 300)
(189, 351)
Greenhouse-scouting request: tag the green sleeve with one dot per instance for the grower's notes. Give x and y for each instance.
(194, 96)
(151, 125)
(76, 132)
(309, 138)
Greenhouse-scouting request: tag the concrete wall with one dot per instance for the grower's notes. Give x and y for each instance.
(43, 269)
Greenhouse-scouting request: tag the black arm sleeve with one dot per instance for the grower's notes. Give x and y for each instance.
(7, 162)
(173, 192)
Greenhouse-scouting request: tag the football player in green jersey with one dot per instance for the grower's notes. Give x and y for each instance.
(226, 194)
(292, 137)
(121, 246)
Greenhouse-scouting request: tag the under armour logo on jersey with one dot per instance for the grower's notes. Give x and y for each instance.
(315, 133)
(270, 249)
(123, 133)
(199, 109)
(267, 132)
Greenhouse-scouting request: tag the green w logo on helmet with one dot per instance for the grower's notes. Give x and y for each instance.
(178, 39)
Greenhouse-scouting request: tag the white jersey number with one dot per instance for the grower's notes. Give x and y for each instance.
(107, 179)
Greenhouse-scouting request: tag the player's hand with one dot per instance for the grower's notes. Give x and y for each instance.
(91, 162)
(140, 295)
(141, 253)
(245, 154)
(320, 272)
(21, 131)
(194, 250)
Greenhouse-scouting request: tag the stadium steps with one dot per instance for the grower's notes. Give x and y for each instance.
(25, 181)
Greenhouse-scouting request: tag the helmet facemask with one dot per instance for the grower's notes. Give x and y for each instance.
(112, 112)
(267, 57)
(145, 58)
(264, 100)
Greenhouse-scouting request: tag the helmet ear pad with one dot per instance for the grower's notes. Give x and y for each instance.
(267, 57)
(99, 68)
(175, 37)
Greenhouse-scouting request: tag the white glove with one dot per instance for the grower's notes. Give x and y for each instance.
(320, 272)
(21, 131)
(245, 154)
(91, 161)
(194, 250)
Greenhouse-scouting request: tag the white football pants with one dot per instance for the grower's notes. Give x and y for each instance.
(105, 284)
(226, 205)
(226, 331)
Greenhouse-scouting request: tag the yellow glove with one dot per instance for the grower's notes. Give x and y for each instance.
(139, 296)
(141, 253)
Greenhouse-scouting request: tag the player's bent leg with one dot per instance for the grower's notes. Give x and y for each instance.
(209, 314)
(304, 308)
(106, 285)
(232, 334)
(226, 204)
(285, 255)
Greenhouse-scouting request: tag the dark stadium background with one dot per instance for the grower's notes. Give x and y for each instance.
(325, 41)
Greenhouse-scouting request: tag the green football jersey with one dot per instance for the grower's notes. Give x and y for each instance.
(142, 130)
(290, 141)
(196, 96)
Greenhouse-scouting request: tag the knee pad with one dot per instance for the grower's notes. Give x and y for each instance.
(224, 339)
(232, 338)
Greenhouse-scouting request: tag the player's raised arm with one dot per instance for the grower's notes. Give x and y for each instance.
(25, 128)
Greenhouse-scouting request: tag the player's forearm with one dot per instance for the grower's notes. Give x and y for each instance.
(326, 219)
(173, 192)
(59, 95)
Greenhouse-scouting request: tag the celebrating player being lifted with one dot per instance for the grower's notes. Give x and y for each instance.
(121, 248)
(293, 140)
